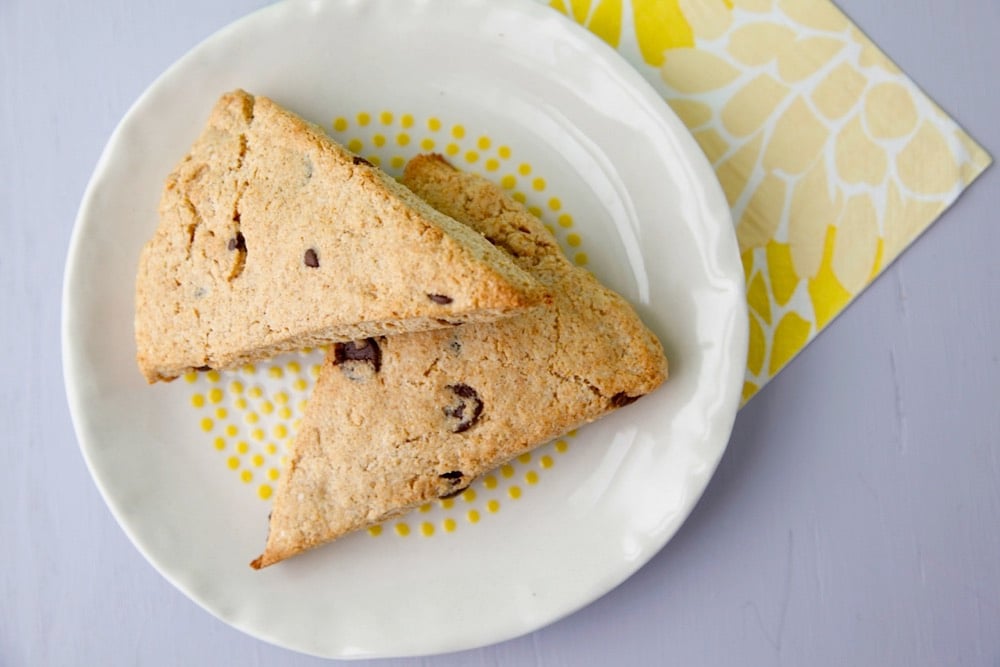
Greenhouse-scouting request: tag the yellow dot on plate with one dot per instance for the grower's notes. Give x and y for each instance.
(492, 164)
(232, 430)
(427, 144)
(458, 131)
(197, 400)
(504, 152)
(364, 118)
(249, 369)
(469, 495)
(508, 182)
(213, 376)
(264, 491)
(514, 492)
(300, 384)
(251, 417)
(493, 506)
(397, 161)
(257, 434)
(242, 447)
(207, 424)
(447, 503)
(255, 392)
(507, 470)
(451, 149)
(483, 143)
(220, 443)
(240, 403)
(572, 433)
(221, 413)
(379, 140)
(425, 508)
(233, 462)
(449, 525)
(555, 204)
(375, 160)
(385, 118)
(573, 240)
(490, 481)
(580, 258)
(246, 476)
(316, 368)
(535, 211)
(561, 446)
(236, 387)
(403, 139)
(257, 460)
(293, 367)
(340, 124)
(402, 529)
(273, 474)
(215, 395)
(538, 184)
(271, 448)
(374, 531)
(565, 220)
(267, 407)
(552, 230)
(472, 516)
(302, 405)
(546, 461)
(190, 376)
(427, 528)
(531, 477)
(281, 398)
(524, 169)
(280, 431)
(285, 412)
(406, 120)
(471, 156)
(525, 458)
(433, 124)
(519, 197)
(276, 372)
(355, 145)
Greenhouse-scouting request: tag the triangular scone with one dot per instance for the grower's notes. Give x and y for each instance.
(396, 422)
(272, 237)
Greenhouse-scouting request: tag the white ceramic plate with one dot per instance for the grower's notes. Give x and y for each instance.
(511, 89)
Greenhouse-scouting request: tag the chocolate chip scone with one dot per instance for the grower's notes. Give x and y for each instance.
(272, 238)
(396, 422)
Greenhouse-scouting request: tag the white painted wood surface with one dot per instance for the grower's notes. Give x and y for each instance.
(855, 519)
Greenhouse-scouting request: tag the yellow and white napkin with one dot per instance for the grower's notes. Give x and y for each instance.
(833, 161)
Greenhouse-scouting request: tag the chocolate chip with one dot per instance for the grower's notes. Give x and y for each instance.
(311, 259)
(453, 494)
(454, 476)
(357, 159)
(466, 398)
(203, 368)
(622, 399)
(238, 243)
(440, 298)
(364, 351)
(455, 346)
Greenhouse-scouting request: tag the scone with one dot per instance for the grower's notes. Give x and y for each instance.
(398, 421)
(272, 238)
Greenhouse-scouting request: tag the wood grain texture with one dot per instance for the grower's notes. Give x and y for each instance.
(852, 521)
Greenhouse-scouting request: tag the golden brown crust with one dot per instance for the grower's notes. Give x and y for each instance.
(441, 408)
(272, 237)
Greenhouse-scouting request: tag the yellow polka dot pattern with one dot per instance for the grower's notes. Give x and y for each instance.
(250, 415)
(831, 159)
